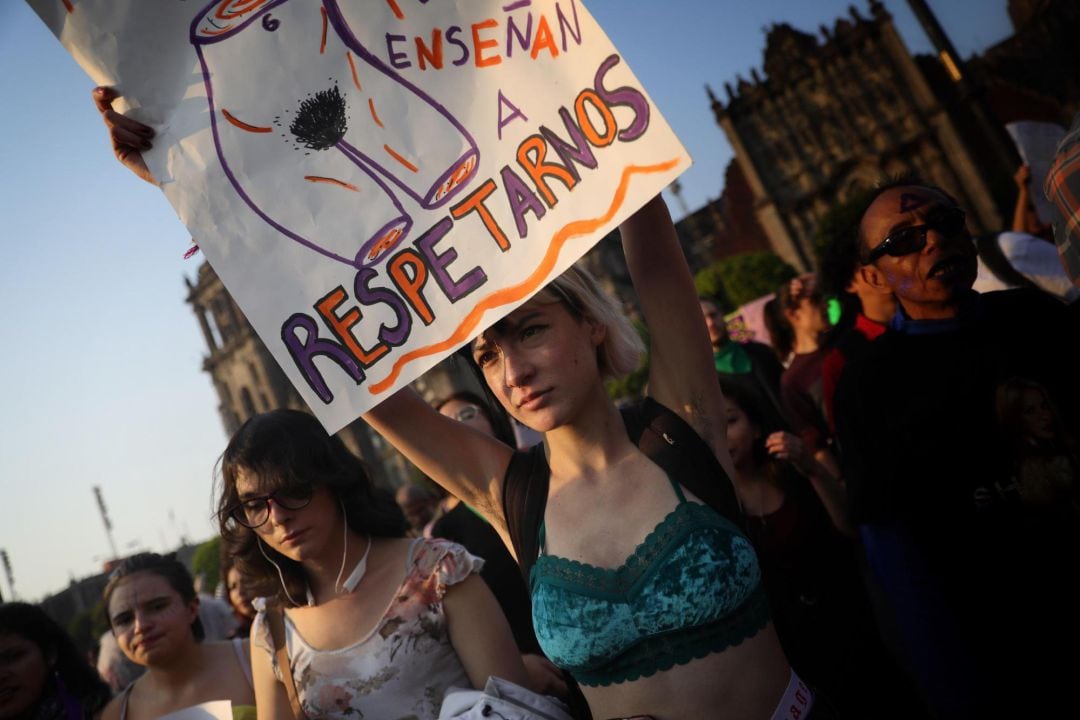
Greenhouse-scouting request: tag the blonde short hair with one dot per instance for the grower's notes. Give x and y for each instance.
(578, 290)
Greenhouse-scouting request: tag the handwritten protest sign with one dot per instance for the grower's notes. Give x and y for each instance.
(376, 181)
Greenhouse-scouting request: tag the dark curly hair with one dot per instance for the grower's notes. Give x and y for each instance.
(761, 413)
(290, 449)
(841, 256)
(166, 566)
(77, 678)
(781, 334)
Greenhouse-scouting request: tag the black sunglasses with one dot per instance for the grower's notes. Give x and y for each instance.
(950, 222)
(255, 511)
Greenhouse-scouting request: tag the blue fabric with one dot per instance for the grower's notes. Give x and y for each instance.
(937, 658)
(971, 308)
(692, 588)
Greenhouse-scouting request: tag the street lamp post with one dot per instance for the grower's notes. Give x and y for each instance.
(105, 520)
(969, 93)
(6, 562)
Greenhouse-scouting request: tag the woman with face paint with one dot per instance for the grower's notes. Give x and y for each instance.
(154, 613)
(42, 674)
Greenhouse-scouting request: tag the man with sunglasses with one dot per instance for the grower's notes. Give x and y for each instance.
(896, 230)
(975, 581)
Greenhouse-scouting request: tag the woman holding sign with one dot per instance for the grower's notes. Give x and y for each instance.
(643, 586)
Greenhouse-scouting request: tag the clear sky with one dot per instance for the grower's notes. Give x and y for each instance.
(101, 359)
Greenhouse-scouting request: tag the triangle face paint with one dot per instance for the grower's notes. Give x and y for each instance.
(909, 202)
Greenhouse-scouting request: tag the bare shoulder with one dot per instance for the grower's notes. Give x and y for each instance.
(136, 695)
(112, 710)
(222, 659)
(398, 547)
(217, 650)
(458, 595)
(225, 673)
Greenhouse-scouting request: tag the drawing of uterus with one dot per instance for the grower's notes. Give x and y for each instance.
(313, 131)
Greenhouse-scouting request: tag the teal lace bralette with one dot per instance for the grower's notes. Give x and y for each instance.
(690, 589)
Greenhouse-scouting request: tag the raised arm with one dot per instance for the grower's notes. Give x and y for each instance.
(466, 462)
(271, 700)
(481, 635)
(681, 372)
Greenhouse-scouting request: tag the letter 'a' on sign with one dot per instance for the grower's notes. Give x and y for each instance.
(377, 182)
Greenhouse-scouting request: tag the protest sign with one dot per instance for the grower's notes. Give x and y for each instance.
(1037, 144)
(376, 181)
(747, 323)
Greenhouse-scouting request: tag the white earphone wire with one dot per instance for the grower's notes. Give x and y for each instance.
(344, 545)
(358, 572)
(281, 575)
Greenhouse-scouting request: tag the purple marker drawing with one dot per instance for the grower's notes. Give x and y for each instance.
(348, 159)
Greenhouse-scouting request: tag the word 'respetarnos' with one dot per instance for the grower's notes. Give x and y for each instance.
(549, 162)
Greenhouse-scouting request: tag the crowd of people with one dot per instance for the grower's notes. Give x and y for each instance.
(873, 519)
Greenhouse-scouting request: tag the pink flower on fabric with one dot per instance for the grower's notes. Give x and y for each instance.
(334, 696)
(429, 592)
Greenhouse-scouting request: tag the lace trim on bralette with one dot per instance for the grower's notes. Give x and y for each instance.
(607, 582)
(658, 653)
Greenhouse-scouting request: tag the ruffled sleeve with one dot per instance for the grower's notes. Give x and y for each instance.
(439, 564)
(260, 633)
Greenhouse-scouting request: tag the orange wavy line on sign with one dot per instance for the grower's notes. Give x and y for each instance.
(332, 181)
(322, 43)
(396, 10)
(400, 158)
(374, 115)
(352, 66)
(243, 125)
(530, 284)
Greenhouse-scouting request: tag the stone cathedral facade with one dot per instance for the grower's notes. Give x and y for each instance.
(840, 110)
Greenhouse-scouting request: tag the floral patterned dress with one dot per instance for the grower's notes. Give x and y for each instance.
(401, 670)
